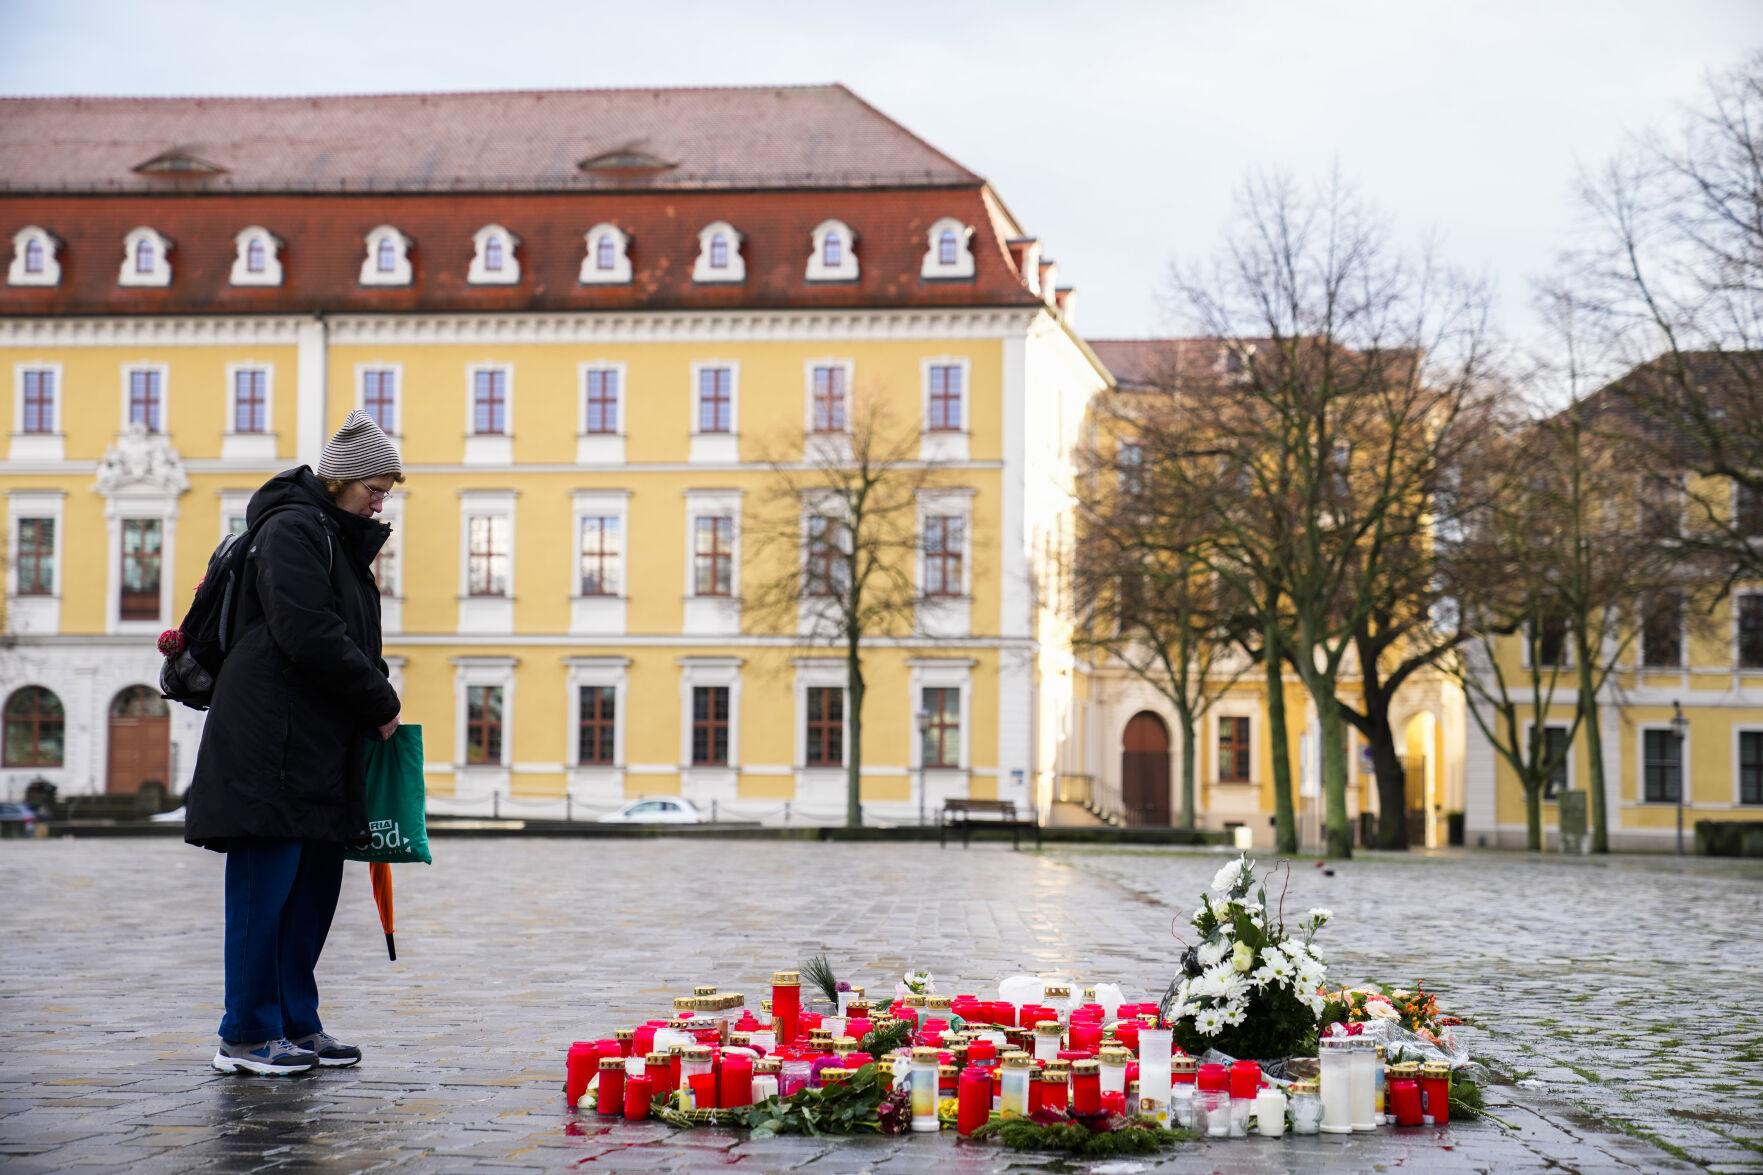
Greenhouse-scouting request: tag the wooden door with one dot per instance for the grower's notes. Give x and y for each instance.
(140, 741)
(1144, 770)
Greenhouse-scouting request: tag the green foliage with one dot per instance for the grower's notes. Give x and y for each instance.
(1127, 1138)
(1466, 1098)
(879, 1042)
(849, 1107)
(1278, 1024)
(818, 971)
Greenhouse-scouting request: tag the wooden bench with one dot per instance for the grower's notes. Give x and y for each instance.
(963, 814)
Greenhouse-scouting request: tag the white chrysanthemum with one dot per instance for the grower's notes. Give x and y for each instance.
(1228, 876)
(1209, 1022)
(1318, 913)
(1212, 953)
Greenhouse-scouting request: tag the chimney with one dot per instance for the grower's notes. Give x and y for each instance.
(1049, 276)
(1025, 254)
(1065, 297)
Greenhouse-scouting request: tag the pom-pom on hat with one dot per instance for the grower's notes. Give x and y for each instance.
(359, 449)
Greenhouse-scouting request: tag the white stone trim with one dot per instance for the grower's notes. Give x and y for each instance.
(480, 274)
(620, 272)
(820, 673)
(233, 504)
(846, 268)
(397, 370)
(600, 448)
(311, 389)
(600, 671)
(489, 448)
(486, 614)
(945, 616)
(392, 591)
(599, 615)
(716, 447)
(945, 444)
(712, 615)
(164, 370)
(1738, 729)
(1733, 660)
(160, 274)
(849, 366)
(735, 271)
(489, 671)
(50, 274)
(940, 783)
(141, 501)
(1232, 706)
(1685, 753)
(37, 446)
(249, 446)
(271, 274)
(714, 781)
(400, 274)
(933, 268)
(34, 615)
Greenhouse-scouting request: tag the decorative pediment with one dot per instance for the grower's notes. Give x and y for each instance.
(141, 462)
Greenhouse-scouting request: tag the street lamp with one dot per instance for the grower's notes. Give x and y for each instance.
(1680, 728)
(923, 720)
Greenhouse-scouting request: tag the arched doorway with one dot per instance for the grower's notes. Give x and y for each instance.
(1144, 770)
(140, 742)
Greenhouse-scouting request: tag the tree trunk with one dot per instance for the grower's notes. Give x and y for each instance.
(1285, 823)
(1334, 767)
(1533, 818)
(854, 738)
(1594, 744)
(1187, 769)
(1392, 784)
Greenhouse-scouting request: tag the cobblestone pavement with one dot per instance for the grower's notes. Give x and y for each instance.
(110, 981)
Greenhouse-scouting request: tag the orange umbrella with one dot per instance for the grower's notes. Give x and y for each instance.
(380, 874)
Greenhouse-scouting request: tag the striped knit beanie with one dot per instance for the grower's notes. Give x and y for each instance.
(360, 449)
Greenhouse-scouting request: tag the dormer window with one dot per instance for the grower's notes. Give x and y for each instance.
(719, 255)
(948, 254)
(834, 256)
(33, 258)
(145, 259)
(607, 261)
(387, 262)
(494, 262)
(259, 258)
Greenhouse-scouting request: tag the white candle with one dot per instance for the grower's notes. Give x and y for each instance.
(1364, 1085)
(1337, 1089)
(1270, 1112)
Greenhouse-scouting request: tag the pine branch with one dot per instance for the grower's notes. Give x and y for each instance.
(818, 970)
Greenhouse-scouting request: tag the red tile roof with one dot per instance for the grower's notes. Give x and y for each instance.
(771, 137)
(1147, 363)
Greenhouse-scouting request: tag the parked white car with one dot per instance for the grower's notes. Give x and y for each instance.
(659, 810)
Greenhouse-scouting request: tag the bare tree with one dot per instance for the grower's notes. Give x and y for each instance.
(1354, 367)
(838, 537)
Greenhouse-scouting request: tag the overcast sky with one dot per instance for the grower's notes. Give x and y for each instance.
(1116, 132)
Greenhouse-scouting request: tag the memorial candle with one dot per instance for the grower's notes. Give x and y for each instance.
(1086, 1086)
(1055, 1086)
(764, 1080)
(611, 1091)
(626, 1038)
(1047, 1037)
(702, 1087)
(1114, 1061)
(924, 1091)
(973, 1102)
(578, 1069)
(1337, 1085)
(1361, 1059)
(636, 1099)
(786, 1004)
(1270, 1112)
(1245, 1080)
(1013, 1087)
(1435, 1093)
(1405, 1100)
(659, 1072)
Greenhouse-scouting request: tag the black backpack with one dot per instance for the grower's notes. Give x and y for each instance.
(195, 649)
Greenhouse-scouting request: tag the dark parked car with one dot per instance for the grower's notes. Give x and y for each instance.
(17, 820)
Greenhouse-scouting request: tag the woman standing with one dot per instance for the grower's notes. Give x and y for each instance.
(280, 780)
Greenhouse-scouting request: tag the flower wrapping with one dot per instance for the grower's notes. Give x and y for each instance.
(171, 642)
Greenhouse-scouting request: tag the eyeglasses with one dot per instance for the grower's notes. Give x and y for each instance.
(375, 495)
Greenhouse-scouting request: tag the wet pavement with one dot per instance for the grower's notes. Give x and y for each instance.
(1624, 992)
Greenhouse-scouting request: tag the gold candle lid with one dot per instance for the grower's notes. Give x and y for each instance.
(680, 1049)
(844, 1044)
(607, 1063)
(1057, 991)
(703, 989)
(1056, 1071)
(947, 1070)
(1406, 1069)
(685, 1003)
(625, 1034)
(916, 1001)
(681, 1024)
(923, 1053)
(659, 1058)
(1308, 1085)
(786, 979)
(697, 1052)
(1115, 1056)
(1090, 994)
(741, 1039)
(765, 1005)
(733, 999)
(885, 1066)
(858, 1008)
(1049, 1028)
(1016, 1060)
(1435, 1069)
(1086, 1066)
(939, 1002)
(1183, 1065)
(833, 1071)
(767, 1065)
(1132, 1087)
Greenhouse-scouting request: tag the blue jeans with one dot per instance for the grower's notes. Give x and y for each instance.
(280, 896)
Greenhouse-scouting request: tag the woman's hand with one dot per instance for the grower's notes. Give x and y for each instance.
(388, 728)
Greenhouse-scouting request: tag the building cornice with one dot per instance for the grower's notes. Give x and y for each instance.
(142, 331)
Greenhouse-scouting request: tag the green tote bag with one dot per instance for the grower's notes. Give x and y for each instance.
(396, 800)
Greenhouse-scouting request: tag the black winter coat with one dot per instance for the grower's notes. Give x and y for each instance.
(303, 687)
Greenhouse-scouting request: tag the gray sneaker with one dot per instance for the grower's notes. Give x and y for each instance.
(272, 1058)
(331, 1052)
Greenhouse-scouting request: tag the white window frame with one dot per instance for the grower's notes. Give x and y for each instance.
(164, 370)
(392, 594)
(713, 615)
(486, 614)
(1229, 708)
(945, 444)
(735, 271)
(821, 673)
(940, 673)
(233, 504)
(272, 260)
(488, 671)
(18, 275)
(817, 616)
(708, 781)
(620, 273)
(397, 370)
(401, 273)
(37, 446)
(945, 616)
(136, 503)
(488, 448)
(1567, 764)
(160, 274)
(933, 268)
(604, 615)
(832, 445)
(1685, 758)
(716, 448)
(1738, 729)
(480, 274)
(846, 270)
(249, 446)
(34, 615)
(600, 448)
(1737, 595)
(605, 779)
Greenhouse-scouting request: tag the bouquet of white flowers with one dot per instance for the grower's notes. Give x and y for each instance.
(1248, 987)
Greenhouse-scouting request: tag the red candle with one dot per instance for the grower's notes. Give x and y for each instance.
(624, 1039)
(636, 1099)
(973, 1102)
(855, 1061)
(1114, 1103)
(643, 1039)
(1245, 1079)
(1405, 1100)
(1054, 1090)
(611, 1099)
(1004, 1014)
(703, 1086)
(981, 1051)
(1086, 1087)
(1214, 1079)
(786, 1005)
(1435, 1093)
(1086, 1037)
(1127, 1033)
(658, 1068)
(579, 1064)
(858, 1027)
(1035, 1081)
(735, 1085)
